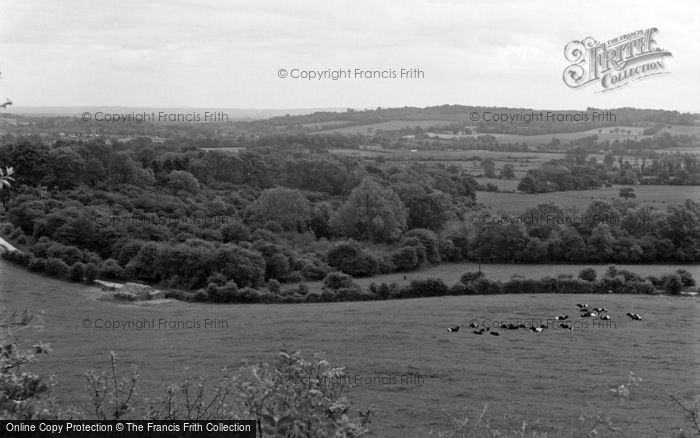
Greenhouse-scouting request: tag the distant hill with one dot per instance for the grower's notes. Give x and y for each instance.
(233, 113)
(454, 113)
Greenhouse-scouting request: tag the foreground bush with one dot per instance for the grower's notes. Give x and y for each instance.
(292, 396)
(349, 258)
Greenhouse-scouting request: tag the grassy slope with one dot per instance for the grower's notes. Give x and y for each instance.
(550, 377)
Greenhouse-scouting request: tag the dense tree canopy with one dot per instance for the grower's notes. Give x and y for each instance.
(371, 213)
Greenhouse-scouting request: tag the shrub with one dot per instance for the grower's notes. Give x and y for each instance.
(183, 180)
(588, 274)
(217, 278)
(199, 296)
(385, 265)
(615, 284)
(242, 265)
(110, 270)
(249, 295)
(40, 247)
(338, 280)
(643, 287)
(6, 229)
(302, 289)
(673, 284)
(686, 278)
(347, 294)
(429, 287)
(629, 276)
(90, 273)
(383, 291)
(277, 266)
(349, 258)
(235, 232)
(56, 268)
(471, 277)
(429, 241)
(129, 251)
(38, 264)
(405, 259)
(460, 288)
(314, 270)
(18, 257)
(77, 272)
(414, 242)
(68, 254)
(448, 250)
(16, 234)
(656, 281)
(228, 293)
(274, 287)
(486, 287)
(313, 297)
(273, 227)
(294, 277)
(611, 272)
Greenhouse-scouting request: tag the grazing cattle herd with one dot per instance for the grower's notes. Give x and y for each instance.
(585, 312)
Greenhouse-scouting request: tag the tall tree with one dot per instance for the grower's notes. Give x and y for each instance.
(372, 213)
(288, 207)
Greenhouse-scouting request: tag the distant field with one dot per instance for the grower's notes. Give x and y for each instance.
(682, 130)
(659, 196)
(393, 125)
(503, 184)
(450, 273)
(607, 133)
(330, 124)
(450, 156)
(548, 379)
(686, 150)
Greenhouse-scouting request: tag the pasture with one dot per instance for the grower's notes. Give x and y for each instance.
(450, 273)
(464, 159)
(657, 196)
(392, 125)
(547, 379)
(607, 133)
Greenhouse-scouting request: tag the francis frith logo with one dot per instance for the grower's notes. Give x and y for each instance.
(616, 62)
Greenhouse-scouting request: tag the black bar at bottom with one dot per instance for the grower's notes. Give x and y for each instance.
(124, 429)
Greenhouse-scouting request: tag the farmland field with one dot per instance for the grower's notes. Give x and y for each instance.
(451, 272)
(659, 196)
(393, 125)
(607, 133)
(547, 379)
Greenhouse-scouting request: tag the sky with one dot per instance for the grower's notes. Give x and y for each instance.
(228, 54)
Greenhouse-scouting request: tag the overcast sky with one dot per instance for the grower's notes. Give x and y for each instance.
(226, 54)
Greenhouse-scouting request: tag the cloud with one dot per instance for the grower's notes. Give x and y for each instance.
(226, 54)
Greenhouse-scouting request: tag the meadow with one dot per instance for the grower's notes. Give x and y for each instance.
(657, 196)
(607, 133)
(392, 125)
(450, 273)
(548, 379)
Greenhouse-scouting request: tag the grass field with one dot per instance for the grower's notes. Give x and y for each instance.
(392, 125)
(450, 273)
(547, 379)
(607, 133)
(659, 196)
